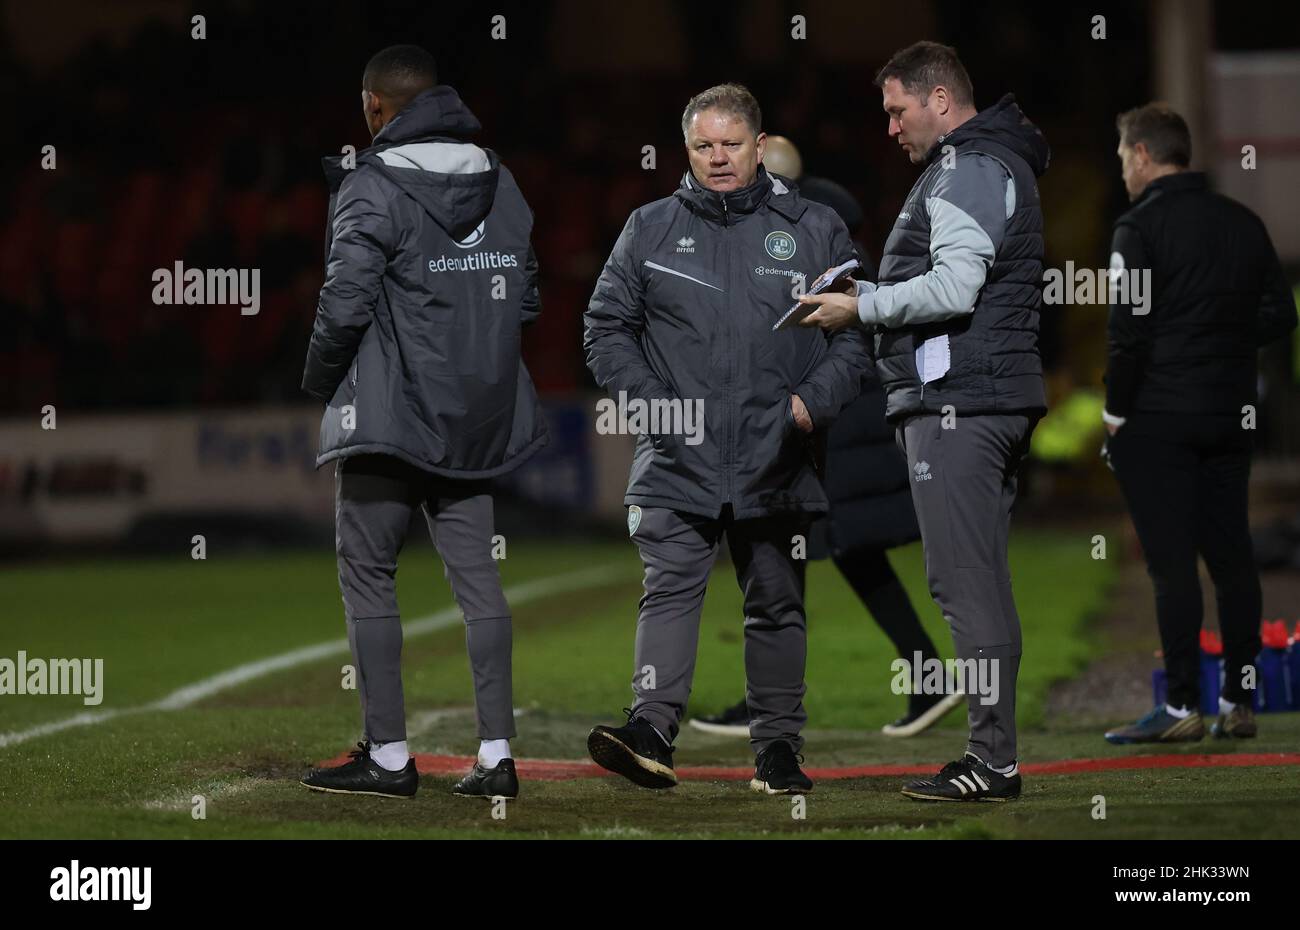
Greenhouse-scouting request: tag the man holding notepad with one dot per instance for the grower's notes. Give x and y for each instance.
(955, 321)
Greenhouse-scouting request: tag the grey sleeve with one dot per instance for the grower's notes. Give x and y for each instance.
(530, 308)
(837, 380)
(358, 257)
(614, 321)
(968, 207)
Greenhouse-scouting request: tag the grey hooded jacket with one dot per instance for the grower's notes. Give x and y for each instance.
(683, 311)
(430, 276)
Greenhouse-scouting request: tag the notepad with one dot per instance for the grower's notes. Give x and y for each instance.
(800, 312)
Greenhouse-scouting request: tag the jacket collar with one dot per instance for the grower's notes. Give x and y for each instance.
(435, 113)
(765, 189)
(432, 115)
(1004, 124)
(1177, 182)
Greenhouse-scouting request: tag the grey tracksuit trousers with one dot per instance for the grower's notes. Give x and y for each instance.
(964, 486)
(376, 496)
(678, 550)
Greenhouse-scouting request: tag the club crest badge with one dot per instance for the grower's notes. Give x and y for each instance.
(780, 245)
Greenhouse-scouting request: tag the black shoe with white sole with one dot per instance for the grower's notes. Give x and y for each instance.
(734, 721)
(635, 751)
(776, 771)
(497, 782)
(362, 775)
(967, 779)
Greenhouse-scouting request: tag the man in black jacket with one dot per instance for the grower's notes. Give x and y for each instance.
(430, 276)
(1196, 289)
(682, 318)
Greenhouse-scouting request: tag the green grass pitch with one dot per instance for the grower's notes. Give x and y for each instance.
(161, 625)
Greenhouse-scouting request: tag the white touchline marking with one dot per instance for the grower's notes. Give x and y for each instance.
(200, 690)
(418, 725)
(211, 791)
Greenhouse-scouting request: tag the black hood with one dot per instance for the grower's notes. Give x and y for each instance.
(435, 113)
(1005, 124)
(456, 202)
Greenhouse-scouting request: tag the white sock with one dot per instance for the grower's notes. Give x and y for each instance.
(492, 751)
(391, 756)
(1179, 712)
(1226, 707)
(1007, 770)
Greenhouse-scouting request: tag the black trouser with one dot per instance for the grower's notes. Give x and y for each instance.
(1185, 480)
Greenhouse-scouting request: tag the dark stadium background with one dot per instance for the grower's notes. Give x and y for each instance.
(208, 152)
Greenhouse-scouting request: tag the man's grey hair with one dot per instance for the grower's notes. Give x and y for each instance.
(733, 99)
(1161, 129)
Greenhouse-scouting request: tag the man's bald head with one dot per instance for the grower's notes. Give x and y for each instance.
(392, 79)
(782, 157)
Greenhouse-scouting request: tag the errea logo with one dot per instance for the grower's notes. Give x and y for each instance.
(686, 244)
(922, 470)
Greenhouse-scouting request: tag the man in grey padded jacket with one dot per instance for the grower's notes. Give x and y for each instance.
(682, 320)
(955, 321)
(430, 277)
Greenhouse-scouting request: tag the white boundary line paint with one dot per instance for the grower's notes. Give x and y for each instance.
(190, 695)
(211, 791)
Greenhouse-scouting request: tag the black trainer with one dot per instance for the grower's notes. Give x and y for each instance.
(967, 779)
(636, 751)
(498, 782)
(776, 771)
(1238, 722)
(734, 721)
(362, 775)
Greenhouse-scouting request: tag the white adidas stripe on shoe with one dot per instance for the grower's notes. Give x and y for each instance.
(968, 783)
